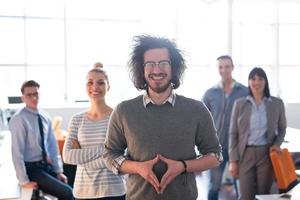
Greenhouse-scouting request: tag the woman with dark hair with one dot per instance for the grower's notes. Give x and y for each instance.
(258, 126)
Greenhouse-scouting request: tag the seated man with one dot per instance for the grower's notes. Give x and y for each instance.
(34, 148)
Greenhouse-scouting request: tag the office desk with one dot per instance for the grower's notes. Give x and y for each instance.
(26, 194)
(293, 194)
(16, 193)
(9, 187)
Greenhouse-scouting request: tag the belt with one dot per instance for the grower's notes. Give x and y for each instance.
(35, 164)
(256, 146)
(41, 165)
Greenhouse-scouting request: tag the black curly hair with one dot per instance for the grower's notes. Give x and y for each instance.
(144, 43)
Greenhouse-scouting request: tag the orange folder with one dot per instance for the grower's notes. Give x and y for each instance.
(284, 169)
(60, 145)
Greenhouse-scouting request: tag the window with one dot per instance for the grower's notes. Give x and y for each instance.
(56, 42)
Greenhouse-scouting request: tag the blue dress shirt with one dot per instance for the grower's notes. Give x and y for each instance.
(258, 123)
(26, 141)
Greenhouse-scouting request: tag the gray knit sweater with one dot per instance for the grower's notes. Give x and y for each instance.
(160, 129)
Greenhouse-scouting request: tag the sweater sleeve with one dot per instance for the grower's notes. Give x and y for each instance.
(206, 136)
(115, 143)
(97, 163)
(82, 155)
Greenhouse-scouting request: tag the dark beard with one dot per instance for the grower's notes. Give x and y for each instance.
(160, 89)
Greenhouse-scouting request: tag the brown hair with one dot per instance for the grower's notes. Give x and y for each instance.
(30, 83)
(98, 64)
(228, 57)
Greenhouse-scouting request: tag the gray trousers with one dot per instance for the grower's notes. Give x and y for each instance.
(255, 172)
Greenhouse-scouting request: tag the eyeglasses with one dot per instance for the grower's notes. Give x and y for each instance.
(161, 64)
(31, 95)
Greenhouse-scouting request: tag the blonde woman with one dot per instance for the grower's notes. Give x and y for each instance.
(85, 144)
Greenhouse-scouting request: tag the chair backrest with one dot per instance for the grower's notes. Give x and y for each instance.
(284, 169)
(56, 123)
(59, 134)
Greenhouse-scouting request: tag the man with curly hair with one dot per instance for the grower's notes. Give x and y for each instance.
(153, 136)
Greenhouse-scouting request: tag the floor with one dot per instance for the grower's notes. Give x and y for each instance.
(10, 189)
(226, 193)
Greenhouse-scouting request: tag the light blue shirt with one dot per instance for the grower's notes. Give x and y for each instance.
(220, 105)
(26, 141)
(258, 124)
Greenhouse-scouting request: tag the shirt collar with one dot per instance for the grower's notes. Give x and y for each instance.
(31, 110)
(250, 98)
(233, 84)
(171, 99)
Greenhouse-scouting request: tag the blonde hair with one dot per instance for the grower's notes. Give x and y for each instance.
(99, 69)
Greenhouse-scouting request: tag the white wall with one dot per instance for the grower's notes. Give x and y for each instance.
(65, 113)
(293, 115)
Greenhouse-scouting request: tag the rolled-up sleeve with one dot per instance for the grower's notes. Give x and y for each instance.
(206, 137)
(115, 143)
(90, 157)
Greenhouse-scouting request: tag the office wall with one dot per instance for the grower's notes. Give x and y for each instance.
(293, 115)
(65, 113)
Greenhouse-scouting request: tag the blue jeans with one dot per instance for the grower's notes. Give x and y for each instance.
(48, 183)
(215, 179)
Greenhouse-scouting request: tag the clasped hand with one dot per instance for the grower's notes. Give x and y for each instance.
(174, 169)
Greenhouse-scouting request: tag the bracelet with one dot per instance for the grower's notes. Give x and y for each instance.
(185, 166)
